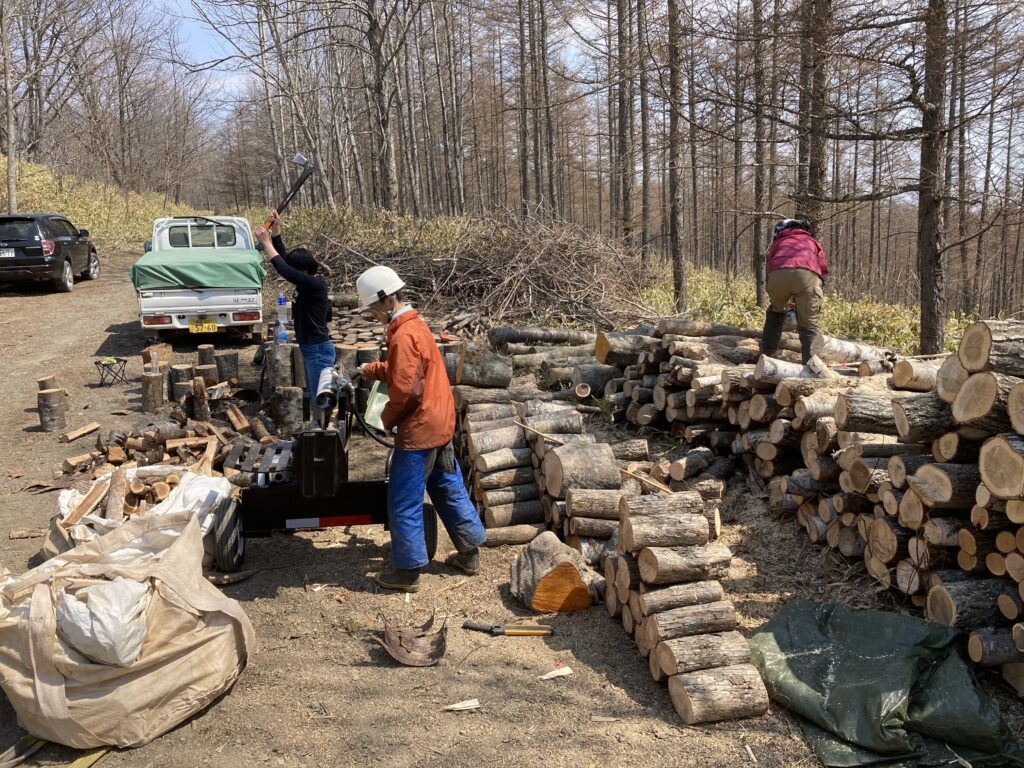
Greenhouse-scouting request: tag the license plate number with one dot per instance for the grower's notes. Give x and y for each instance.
(6, 253)
(202, 326)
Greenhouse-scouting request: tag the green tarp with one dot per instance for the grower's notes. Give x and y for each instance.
(875, 688)
(198, 268)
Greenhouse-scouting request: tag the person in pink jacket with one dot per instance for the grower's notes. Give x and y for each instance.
(796, 272)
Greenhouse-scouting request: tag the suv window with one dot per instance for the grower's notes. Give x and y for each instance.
(202, 236)
(63, 228)
(18, 229)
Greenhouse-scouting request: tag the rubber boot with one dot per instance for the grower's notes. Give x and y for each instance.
(771, 336)
(807, 338)
(467, 562)
(400, 579)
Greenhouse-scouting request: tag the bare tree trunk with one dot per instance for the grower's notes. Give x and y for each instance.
(977, 288)
(760, 169)
(929, 208)
(524, 149)
(675, 159)
(645, 141)
(11, 127)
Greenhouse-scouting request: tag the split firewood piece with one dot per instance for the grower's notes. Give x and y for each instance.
(90, 502)
(200, 402)
(75, 463)
(550, 576)
(114, 509)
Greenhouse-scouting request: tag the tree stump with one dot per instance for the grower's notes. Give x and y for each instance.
(723, 693)
(549, 576)
(53, 407)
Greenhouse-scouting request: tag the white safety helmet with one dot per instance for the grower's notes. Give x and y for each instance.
(376, 284)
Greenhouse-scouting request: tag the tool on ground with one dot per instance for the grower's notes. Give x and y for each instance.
(510, 630)
(308, 169)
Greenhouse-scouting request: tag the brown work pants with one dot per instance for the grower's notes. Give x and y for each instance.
(804, 288)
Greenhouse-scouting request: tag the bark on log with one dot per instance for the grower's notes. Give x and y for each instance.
(966, 604)
(922, 418)
(580, 465)
(682, 655)
(995, 345)
(596, 375)
(946, 486)
(479, 367)
(587, 502)
(227, 366)
(697, 619)
(1001, 463)
(680, 595)
(591, 527)
(663, 530)
(497, 497)
(52, 405)
(152, 392)
(902, 466)
(724, 693)
(993, 647)
(208, 373)
(668, 565)
(682, 503)
(481, 443)
(916, 375)
(856, 412)
(503, 458)
(505, 477)
(286, 407)
(788, 390)
(534, 335)
(182, 373)
(516, 534)
(615, 348)
(692, 464)
(515, 513)
(632, 450)
(565, 422)
(595, 552)
(953, 448)
(816, 406)
(770, 370)
(201, 405)
(1015, 408)
(983, 400)
(627, 576)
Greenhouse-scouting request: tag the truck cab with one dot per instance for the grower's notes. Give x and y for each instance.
(200, 274)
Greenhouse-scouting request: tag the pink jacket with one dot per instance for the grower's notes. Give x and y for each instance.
(797, 249)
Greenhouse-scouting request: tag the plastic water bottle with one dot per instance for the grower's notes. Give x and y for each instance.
(280, 332)
(282, 308)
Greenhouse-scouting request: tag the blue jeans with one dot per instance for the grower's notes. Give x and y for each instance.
(316, 357)
(405, 509)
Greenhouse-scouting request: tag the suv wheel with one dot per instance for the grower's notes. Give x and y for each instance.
(66, 282)
(92, 272)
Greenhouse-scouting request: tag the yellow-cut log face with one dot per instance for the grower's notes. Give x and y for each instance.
(562, 590)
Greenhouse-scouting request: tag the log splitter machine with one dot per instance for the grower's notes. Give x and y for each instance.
(303, 484)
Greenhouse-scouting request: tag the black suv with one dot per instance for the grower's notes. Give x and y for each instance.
(45, 246)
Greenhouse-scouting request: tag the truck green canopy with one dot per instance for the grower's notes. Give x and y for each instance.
(198, 268)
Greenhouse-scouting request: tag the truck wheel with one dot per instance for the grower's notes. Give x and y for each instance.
(256, 333)
(92, 271)
(430, 529)
(65, 283)
(228, 541)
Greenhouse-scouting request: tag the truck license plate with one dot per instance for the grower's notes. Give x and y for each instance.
(6, 253)
(202, 326)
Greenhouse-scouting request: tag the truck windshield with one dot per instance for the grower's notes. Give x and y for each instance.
(18, 229)
(205, 235)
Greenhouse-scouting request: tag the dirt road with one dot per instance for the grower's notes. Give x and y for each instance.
(319, 691)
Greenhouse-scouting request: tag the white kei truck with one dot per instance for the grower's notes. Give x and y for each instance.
(200, 274)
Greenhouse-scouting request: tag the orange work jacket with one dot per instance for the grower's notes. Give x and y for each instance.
(420, 398)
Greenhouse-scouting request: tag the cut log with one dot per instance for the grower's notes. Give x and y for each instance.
(503, 458)
(680, 504)
(770, 370)
(952, 448)
(503, 478)
(723, 693)
(949, 378)
(591, 527)
(681, 655)
(903, 466)
(183, 373)
(983, 400)
(693, 463)
(201, 405)
(285, 405)
(549, 576)
(153, 390)
(557, 355)
(535, 335)
(488, 441)
(966, 604)
(52, 405)
(208, 373)
(995, 345)
(514, 513)
(543, 444)
(663, 530)
(478, 367)
(856, 412)
(688, 620)
(680, 595)
(564, 422)
(946, 486)
(1001, 463)
(516, 534)
(46, 382)
(227, 366)
(587, 502)
(627, 575)
(615, 348)
(942, 531)
(673, 565)
(922, 418)
(580, 465)
(993, 647)
(632, 450)
(841, 351)
(595, 375)
(916, 375)
(887, 539)
(116, 493)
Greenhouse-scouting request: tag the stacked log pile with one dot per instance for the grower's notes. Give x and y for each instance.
(915, 466)
(664, 586)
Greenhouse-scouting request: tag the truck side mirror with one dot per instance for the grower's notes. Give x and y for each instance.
(83, 233)
(148, 246)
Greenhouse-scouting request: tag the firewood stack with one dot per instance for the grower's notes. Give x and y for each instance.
(914, 465)
(664, 586)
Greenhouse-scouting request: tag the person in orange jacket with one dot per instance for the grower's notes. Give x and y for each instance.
(421, 411)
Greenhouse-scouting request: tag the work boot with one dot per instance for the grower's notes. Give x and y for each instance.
(771, 336)
(807, 339)
(400, 578)
(467, 562)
